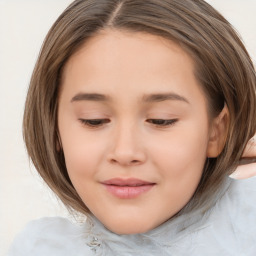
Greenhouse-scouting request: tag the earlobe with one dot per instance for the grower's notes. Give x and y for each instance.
(218, 133)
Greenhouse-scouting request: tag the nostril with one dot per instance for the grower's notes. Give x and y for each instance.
(126, 157)
(113, 161)
(124, 162)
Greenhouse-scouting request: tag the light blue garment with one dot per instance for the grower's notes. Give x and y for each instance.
(227, 229)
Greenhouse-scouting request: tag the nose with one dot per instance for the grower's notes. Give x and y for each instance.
(127, 148)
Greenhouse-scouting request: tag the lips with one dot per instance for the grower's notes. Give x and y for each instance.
(127, 188)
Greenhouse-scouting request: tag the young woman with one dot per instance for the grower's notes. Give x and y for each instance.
(136, 115)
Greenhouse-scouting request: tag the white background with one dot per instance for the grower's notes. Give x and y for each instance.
(23, 26)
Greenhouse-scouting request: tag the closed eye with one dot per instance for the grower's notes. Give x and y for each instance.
(162, 122)
(94, 122)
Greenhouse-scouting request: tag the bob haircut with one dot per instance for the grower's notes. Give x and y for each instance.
(222, 65)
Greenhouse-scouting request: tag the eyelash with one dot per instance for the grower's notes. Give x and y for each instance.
(163, 122)
(95, 123)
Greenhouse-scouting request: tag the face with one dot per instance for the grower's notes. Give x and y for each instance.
(134, 129)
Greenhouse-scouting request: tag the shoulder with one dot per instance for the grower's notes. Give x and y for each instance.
(242, 198)
(228, 228)
(50, 236)
(232, 228)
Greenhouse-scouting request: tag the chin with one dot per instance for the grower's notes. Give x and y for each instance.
(129, 230)
(129, 227)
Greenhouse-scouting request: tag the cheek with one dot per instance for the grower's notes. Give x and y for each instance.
(180, 163)
(180, 156)
(82, 151)
(81, 160)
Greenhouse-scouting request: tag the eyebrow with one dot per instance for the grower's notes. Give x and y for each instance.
(90, 97)
(158, 97)
(148, 98)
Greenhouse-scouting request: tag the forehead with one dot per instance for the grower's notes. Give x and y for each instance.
(127, 48)
(125, 64)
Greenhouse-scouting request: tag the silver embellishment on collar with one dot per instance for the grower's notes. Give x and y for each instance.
(94, 244)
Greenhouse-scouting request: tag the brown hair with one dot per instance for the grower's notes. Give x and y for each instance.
(222, 67)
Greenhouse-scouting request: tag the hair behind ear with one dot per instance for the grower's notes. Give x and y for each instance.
(58, 142)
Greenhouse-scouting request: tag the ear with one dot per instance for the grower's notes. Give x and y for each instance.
(218, 133)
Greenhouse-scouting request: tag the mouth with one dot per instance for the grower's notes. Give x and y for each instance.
(127, 188)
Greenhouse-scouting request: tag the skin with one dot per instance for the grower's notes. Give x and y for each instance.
(126, 67)
(248, 170)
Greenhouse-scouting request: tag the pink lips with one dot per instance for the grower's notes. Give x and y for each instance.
(127, 188)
